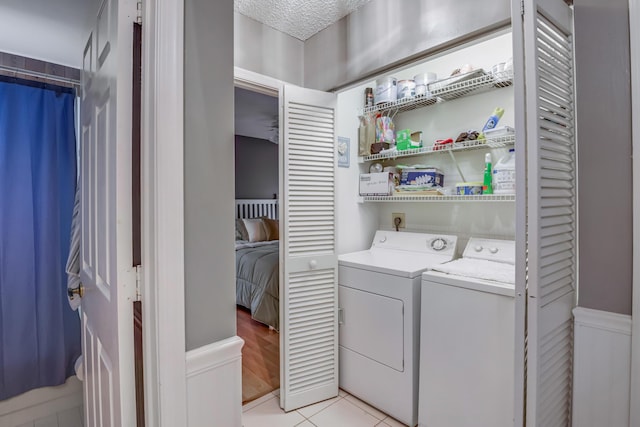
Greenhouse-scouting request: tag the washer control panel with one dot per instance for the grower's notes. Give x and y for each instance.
(491, 249)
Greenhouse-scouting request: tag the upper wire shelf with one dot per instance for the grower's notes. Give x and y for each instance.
(445, 90)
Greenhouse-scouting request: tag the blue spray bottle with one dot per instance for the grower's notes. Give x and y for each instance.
(493, 120)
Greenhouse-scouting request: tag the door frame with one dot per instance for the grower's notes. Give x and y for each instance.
(255, 82)
(162, 274)
(634, 44)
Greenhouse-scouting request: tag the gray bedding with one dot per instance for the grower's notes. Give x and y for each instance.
(257, 281)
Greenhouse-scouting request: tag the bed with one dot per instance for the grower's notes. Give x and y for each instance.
(257, 259)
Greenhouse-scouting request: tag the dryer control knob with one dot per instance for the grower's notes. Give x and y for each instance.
(383, 239)
(439, 244)
(493, 250)
(478, 248)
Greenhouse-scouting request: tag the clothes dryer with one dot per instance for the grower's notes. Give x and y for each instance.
(379, 299)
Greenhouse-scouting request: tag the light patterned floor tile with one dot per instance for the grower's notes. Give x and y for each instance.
(382, 424)
(306, 423)
(343, 414)
(368, 408)
(392, 423)
(258, 401)
(342, 393)
(311, 410)
(70, 418)
(269, 414)
(276, 392)
(50, 421)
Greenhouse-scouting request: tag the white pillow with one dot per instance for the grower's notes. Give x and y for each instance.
(256, 230)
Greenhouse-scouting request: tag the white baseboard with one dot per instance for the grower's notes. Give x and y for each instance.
(602, 368)
(40, 403)
(214, 384)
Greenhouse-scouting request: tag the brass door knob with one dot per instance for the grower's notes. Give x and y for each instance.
(76, 291)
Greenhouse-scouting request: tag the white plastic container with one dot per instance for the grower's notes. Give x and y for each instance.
(504, 174)
(386, 90)
(422, 80)
(406, 89)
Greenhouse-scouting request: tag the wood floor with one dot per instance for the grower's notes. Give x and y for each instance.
(260, 357)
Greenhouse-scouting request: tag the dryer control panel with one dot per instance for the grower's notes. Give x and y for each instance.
(415, 242)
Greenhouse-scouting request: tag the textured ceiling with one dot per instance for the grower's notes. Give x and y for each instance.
(298, 18)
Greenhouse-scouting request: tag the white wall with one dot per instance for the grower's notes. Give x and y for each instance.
(357, 222)
(45, 30)
(602, 368)
(267, 51)
(214, 384)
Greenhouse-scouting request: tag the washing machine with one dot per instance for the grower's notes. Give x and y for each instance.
(467, 338)
(379, 317)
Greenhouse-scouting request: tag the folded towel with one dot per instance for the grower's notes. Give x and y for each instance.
(480, 269)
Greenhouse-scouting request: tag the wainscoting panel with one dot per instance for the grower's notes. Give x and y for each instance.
(214, 384)
(41, 403)
(602, 368)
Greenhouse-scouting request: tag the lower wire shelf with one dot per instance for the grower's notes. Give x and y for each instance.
(421, 198)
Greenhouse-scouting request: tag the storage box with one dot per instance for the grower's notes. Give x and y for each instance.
(469, 188)
(407, 140)
(431, 177)
(376, 184)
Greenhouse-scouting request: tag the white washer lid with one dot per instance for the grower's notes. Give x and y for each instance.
(474, 284)
(395, 262)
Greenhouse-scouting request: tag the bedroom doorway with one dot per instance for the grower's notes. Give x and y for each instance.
(257, 240)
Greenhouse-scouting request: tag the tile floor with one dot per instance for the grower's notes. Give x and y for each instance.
(342, 411)
(68, 418)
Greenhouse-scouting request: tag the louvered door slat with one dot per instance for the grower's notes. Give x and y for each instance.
(309, 358)
(562, 75)
(552, 108)
(549, 217)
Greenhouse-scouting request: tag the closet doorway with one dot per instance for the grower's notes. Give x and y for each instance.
(257, 240)
(305, 218)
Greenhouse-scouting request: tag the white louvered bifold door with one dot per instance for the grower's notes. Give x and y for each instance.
(549, 212)
(309, 264)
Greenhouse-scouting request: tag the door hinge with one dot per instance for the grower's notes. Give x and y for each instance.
(138, 283)
(139, 12)
(521, 7)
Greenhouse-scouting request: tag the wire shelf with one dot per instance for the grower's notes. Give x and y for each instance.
(470, 84)
(496, 142)
(401, 105)
(419, 198)
(446, 89)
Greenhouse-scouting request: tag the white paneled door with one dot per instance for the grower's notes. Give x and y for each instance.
(308, 259)
(547, 210)
(107, 274)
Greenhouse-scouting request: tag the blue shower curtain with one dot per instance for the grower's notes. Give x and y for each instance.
(39, 333)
